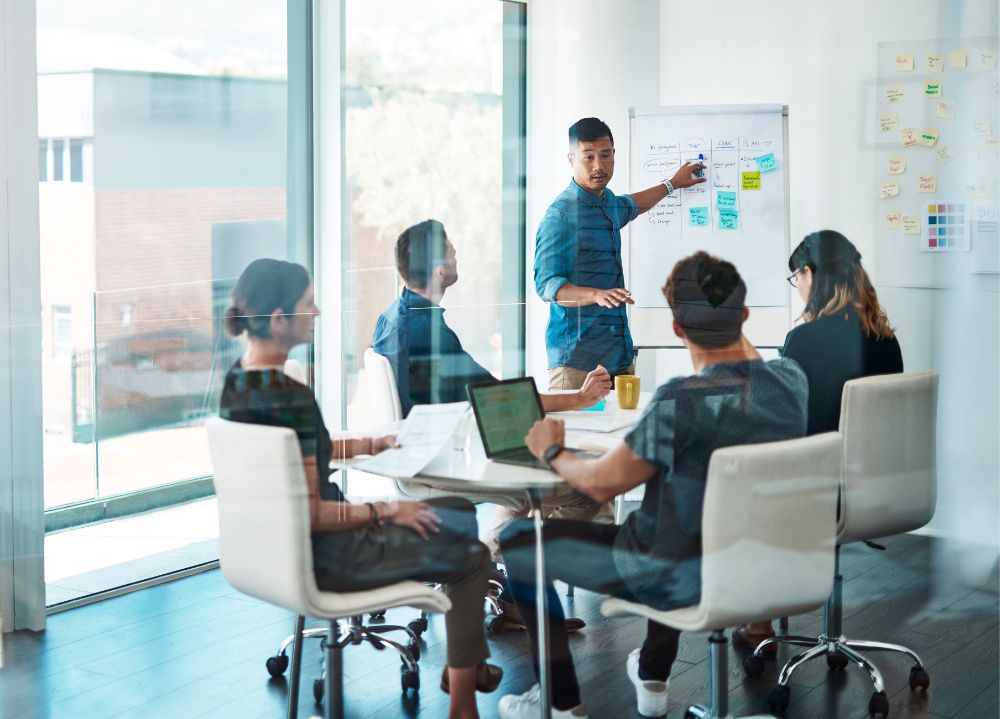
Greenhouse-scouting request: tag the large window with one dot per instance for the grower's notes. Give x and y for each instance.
(162, 156)
(433, 112)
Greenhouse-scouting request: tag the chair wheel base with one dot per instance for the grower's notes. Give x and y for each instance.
(919, 678)
(418, 626)
(414, 649)
(277, 665)
(409, 679)
(495, 625)
(879, 704)
(753, 665)
(835, 661)
(318, 690)
(779, 697)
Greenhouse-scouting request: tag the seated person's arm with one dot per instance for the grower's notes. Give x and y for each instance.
(601, 479)
(344, 448)
(596, 385)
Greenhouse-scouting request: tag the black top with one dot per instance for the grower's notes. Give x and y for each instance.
(833, 350)
(273, 398)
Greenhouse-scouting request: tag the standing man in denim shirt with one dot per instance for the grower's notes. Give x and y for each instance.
(578, 259)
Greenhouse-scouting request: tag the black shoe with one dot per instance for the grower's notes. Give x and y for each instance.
(513, 620)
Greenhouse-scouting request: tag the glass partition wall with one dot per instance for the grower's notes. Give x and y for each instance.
(433, 127)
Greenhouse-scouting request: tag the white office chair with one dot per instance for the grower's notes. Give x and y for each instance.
(293, 368)
(888, 486)
(383, 396)
(265, 550)
(768, 536)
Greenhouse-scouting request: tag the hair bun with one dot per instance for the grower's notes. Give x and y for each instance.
(235, 321)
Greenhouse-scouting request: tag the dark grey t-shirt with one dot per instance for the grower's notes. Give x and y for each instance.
(658, 549)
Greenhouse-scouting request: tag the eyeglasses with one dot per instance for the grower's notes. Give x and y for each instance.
(793, 279)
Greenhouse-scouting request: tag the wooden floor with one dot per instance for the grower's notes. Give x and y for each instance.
(196, 648)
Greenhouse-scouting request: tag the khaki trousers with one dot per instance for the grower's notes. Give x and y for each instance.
(572, 378)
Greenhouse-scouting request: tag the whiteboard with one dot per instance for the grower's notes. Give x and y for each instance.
(949, 172)
(739, 214)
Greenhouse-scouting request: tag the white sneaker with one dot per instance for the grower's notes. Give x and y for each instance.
(527, 706)
(651, 696)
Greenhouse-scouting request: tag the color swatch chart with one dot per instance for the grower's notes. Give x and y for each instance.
(947, 228)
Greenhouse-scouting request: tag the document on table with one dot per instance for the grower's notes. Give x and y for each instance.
(427, 430)
(595, 421)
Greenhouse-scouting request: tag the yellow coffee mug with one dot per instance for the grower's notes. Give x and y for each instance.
(627, 389)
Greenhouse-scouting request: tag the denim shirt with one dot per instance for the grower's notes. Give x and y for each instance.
(427, 358)
(579, 240)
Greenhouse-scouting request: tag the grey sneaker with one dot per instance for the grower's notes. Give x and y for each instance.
(527, 706)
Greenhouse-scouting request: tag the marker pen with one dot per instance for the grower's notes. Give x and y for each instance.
(701, 158)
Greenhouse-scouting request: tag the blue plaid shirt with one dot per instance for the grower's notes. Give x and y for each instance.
(429, 362)
(579, 240)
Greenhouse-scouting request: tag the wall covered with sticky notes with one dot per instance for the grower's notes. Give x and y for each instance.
(936, 112)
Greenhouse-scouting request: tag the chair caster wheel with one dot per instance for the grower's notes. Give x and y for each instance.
(318, 690)
(409, 679)
(378, 616)
(418, 626)
(836, 661)
(414, 649)
(753, 665)
(277, 665)
(495, 625)
(879, 704)
(919, 678)
(779, 697)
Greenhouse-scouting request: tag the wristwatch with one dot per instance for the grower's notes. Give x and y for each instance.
(552, 452)
(669, 186)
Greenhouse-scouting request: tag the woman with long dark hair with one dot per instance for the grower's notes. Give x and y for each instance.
(844, 334)
(356, 546)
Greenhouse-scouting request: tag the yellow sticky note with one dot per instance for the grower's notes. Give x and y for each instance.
(887, 121)
(909, 136)
(911, 225)
(945, 108)
(897, 165)
(956, 58)
(751, 181)
(904, 62)
(992, 142)
(986, 60)
(932, 88)
(928, 137)
(893, 219)
(982, 127)
(944, 155)
(927, 183)
(893, 93)
(935, 63)
(889, 189)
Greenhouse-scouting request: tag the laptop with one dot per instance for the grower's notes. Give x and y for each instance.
(505, 411)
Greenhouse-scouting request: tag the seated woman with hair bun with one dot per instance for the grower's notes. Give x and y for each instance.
(356, 546)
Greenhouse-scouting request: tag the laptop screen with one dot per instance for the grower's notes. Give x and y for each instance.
(505, 412)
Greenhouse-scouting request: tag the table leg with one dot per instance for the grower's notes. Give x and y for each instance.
(534, 496)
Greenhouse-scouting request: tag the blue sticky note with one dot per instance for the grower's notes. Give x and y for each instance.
(725, 199)
(599, 407)
(766, 163)
(698, 216)
(728, 219)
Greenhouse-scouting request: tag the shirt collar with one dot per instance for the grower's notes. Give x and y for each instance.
(588, 198)
(412, 300)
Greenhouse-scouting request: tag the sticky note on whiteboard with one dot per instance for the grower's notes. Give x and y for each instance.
(889, 189)
(982, 127)
(932, 88)
(894, 93)
(986, 60)
(944, 155)
(904, 62)
(928, 137)
(957, 58)
(698, 216)
(908, 135)
(897, 165)
(766, 163)
(935, 63)
(911, 225)
(893, 219)
(729, 219)
(887, 121)
(751, 180)
(945, 108)
(927, 183)
(725, 200)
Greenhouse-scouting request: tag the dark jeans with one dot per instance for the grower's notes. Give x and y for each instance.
(578, 553)
(370, 557)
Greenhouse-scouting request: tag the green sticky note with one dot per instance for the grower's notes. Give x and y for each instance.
(725, 199)
(766, 163)
(728, 219)
(698, 216)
